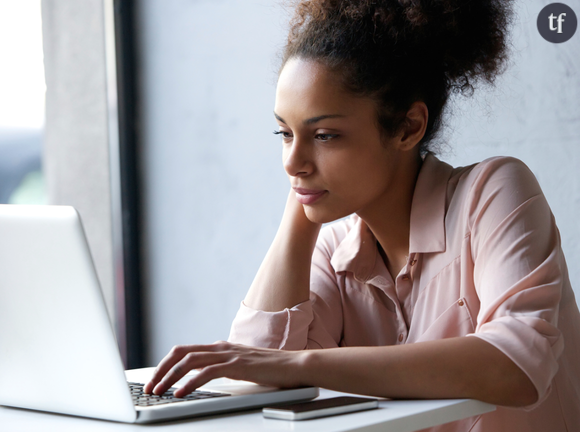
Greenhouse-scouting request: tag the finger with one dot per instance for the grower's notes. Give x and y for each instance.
(165, 365)
(174, 356)
(206, 375)
(190, 361)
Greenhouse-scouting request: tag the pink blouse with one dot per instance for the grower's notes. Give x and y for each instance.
(484, 261)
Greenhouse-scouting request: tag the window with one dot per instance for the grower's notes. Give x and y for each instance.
(22, 90)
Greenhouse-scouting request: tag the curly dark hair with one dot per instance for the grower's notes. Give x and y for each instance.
(402, 51)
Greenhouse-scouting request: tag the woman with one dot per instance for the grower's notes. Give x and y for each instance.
(443, 282)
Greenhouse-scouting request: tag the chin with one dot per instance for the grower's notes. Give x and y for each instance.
(321, 216)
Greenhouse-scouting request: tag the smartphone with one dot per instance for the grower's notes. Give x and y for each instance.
(320, 408)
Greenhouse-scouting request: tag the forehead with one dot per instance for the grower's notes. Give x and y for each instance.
(309, 87)
(302, 74)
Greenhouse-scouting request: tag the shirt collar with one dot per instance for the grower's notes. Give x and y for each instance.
(429, 207)
(357, 252)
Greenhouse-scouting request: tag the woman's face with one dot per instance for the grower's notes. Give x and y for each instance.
(333, 152)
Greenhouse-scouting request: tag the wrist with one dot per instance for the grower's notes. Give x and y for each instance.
(306, 362)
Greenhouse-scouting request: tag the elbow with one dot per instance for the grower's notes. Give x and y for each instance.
(515, 390)
(524, 395)
(504, 383)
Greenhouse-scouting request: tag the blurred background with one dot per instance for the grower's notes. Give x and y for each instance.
(22, 90)
(158, 129)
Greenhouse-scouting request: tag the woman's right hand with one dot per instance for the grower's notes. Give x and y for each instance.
(272, 367)
(296, 221)
(283, 280)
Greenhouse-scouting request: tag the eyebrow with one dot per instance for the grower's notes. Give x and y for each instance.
(313, 119)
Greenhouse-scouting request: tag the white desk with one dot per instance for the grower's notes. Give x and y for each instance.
(392, 416)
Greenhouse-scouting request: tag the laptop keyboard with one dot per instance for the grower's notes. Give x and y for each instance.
(143, 399)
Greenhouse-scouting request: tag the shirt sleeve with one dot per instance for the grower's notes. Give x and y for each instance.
(517, 269)
(315, 323)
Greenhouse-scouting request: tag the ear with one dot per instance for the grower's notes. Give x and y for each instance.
(414, 126)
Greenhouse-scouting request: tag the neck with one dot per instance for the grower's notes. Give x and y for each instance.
(389, 218)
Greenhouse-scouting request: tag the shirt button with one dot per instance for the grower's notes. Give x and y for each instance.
(405, 277)
(413, 262)
(401, 337)
(460, 303)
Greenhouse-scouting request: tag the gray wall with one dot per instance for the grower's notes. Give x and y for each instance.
(215, 187)
(76, 145)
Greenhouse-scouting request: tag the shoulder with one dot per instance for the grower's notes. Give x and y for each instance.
(490, 191)
(495, 173)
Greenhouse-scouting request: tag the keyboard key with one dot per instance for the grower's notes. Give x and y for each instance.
(143, 399)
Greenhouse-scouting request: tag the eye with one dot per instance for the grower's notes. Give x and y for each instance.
(285, 135)
(325, 137)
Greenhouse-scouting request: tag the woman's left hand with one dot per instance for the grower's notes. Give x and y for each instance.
(223, 359)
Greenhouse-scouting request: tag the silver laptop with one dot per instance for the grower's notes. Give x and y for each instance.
(57, 348)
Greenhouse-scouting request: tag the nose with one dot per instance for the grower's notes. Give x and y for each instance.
(298, 159)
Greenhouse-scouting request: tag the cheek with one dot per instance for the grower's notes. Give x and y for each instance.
(361, 174)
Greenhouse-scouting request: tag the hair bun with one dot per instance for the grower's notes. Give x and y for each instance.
(400, 51)
(469, 37)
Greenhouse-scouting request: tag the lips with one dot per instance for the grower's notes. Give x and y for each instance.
(308, 196)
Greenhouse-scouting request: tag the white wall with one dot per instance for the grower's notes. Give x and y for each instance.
(214, 183)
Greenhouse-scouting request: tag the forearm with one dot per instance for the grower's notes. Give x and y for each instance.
(465, 367)
(283, 279)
